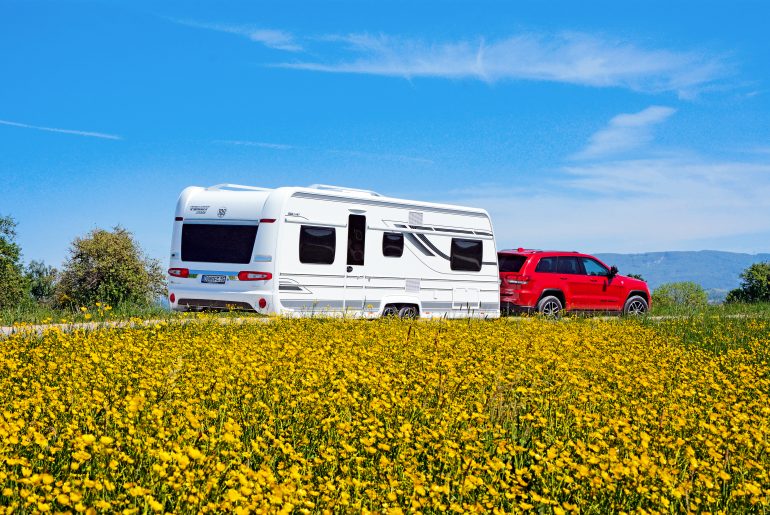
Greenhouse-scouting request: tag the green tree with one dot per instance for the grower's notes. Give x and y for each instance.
(42, 281)
(755, 285)
(13, 283)
(679, 294)
(110, 267)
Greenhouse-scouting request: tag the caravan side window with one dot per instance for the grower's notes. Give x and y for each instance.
(392, 244)
(317, 244)
(466, 255)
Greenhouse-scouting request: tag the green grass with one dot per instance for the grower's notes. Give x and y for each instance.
(759, 309)
(39, 314)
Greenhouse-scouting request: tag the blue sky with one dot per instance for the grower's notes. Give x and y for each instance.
(591, 126)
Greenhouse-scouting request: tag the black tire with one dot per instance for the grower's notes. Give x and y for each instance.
(408, 312)
(389, 310)
(635, 306)
(550, 306)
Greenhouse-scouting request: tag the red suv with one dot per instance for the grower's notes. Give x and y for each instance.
(550, 282)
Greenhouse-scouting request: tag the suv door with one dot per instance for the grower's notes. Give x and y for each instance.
(577, 290)
(612, 293)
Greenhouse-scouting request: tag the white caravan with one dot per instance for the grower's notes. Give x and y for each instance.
(330, 250)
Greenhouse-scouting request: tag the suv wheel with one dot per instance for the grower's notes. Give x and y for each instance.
(635, 306)
(549, 306)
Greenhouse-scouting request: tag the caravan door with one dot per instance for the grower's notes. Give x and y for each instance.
(355, 277)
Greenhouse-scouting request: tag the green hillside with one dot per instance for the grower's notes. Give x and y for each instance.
(718, 272)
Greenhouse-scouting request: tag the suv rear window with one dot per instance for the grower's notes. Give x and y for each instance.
(218, 243)
(510, 262)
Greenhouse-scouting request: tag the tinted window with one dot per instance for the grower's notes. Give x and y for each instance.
(569, 265)
(466, 255)
(356, 239)
(218, 243)
(317, 244)
(546, 265)
(510, 263)
(392, 244)
(593, 267)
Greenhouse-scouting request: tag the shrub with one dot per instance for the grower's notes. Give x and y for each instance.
(109, 267)
(679, 294)
(13, 283)
(755, 285)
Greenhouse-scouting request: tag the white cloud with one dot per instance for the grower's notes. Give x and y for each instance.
(261, 144)
(567, 57)
(272, 38)
(62, 131)
(676, 202)
(348, 153)
(625, 132)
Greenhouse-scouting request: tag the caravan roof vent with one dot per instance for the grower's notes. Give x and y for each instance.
(344, 189)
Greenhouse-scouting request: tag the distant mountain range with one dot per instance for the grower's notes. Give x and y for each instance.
(717, 272)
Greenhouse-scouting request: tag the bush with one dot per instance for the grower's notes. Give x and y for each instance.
(13, 283)
(109, 267)
(755, 285)
(679, 294)
(42, 282)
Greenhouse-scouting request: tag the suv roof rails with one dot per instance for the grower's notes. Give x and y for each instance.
(228, 186)
(343, 189)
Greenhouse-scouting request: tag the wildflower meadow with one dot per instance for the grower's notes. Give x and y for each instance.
(318, 415)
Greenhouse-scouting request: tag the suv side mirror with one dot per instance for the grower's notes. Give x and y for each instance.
(613, 271)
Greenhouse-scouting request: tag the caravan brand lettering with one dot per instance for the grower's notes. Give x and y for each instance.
(199, 210)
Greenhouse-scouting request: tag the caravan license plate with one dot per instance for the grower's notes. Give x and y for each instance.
(214, 279)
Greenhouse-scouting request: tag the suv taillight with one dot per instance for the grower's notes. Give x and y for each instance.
(179, 272)
(520, 280)
(254, 276)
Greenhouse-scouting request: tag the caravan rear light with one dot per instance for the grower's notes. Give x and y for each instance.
(179, 272)
(266, 220)
(262, 303)
(172, 297)
(254, 276)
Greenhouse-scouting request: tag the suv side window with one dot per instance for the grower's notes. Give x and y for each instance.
(569, 265)
(593, 267)
(546, 265)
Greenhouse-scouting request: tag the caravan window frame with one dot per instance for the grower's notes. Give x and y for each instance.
(303, 244)
(391, 244)
(460, 260)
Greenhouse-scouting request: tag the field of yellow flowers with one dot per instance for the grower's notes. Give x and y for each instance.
(587, 416)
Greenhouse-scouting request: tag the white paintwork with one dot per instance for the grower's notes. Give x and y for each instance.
(415, 278)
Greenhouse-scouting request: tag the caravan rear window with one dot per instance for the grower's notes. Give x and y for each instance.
(218, 243)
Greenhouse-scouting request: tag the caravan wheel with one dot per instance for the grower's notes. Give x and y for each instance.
(408, 312)
(389, 311)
